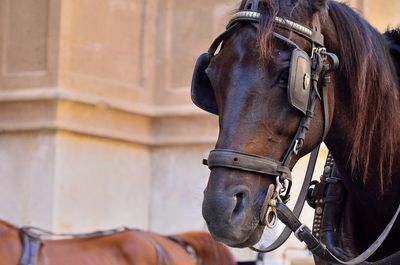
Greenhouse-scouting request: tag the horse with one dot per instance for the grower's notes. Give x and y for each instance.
(122, 246)
(275, 80)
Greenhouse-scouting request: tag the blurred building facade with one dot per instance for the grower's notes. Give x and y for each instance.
(97, 128)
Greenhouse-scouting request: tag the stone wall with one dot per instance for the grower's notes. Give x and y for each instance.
(96, 124)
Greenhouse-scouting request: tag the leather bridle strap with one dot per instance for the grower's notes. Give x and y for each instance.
(298, 206)
(264, 165)
(307, 179)
(303, 233)
(246, 162)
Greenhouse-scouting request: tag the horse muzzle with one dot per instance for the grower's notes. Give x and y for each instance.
(231, 211)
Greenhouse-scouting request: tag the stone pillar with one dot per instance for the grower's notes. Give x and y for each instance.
(186, 134)
(29, 40)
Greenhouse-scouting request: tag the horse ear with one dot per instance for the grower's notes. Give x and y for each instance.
(320, 5)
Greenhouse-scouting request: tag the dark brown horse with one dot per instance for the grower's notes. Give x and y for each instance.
(127, 247)
(255, 117)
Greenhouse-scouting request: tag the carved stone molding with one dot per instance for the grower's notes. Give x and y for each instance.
(29, 38)
(73, 111)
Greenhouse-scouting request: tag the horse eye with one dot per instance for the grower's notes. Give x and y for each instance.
(283, 77)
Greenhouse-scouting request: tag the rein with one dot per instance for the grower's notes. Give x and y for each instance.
(327, 252)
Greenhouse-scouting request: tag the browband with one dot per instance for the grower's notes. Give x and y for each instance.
(254, 16)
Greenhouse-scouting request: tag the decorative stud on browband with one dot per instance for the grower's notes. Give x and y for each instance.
(252, 16)
(286, 23)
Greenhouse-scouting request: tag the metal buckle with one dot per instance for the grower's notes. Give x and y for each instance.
(279, 189)
(271, 216)
(317, 51)
(299, 230)
(296, 147)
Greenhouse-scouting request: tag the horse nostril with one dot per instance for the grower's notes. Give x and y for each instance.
(239, 203)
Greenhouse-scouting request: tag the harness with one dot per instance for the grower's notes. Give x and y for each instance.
(308, 75)
(32, 238)
(187, 247)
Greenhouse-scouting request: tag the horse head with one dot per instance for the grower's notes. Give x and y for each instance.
(265, 85)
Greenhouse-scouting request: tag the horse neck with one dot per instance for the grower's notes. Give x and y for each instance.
(10, 243)
(209, 251)
(8, 230)
(6, 227)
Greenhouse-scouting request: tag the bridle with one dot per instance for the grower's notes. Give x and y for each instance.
(274, 206)
(322, 63)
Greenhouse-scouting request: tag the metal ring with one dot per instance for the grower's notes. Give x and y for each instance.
(271, 217)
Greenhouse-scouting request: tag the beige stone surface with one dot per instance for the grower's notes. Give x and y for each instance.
(27, 178)
(100, 184)
(43, 111)
(110, 51)
(99, 120)
(185, 30)
(29, 37)
(178, 183)
(185, 130)
(303, 261)
(382, 14)
(27, 116)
